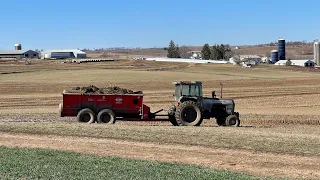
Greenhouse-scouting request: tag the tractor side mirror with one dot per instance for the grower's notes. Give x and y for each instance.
(214, 94)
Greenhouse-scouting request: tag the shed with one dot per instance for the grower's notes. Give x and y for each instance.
(18, 54)
(63, 54)
(303, 63)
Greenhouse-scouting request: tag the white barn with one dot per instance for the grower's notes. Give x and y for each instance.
(303, 63)
(63, 54)
(18, 54)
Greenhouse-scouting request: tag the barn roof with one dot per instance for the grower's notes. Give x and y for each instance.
(77, 51)
(13, 51)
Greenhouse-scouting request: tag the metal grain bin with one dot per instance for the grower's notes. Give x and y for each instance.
(274, 56)
(281, 49)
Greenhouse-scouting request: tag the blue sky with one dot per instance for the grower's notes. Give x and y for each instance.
(146, 23)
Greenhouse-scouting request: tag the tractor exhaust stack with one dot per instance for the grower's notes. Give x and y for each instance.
(221, 89)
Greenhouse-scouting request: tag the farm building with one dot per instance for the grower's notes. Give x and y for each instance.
(63, 54)
(245, 59)
(18, 54)
(195, 54)
(303, 63)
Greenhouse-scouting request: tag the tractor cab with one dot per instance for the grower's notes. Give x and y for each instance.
(187, 90)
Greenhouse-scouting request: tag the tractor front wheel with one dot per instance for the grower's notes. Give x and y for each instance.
(233, 120)
(188, 113)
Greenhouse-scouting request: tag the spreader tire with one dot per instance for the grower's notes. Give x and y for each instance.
(60, 109)
(106, 116)
(86, 116)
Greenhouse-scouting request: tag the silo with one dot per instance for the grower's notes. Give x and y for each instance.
(281, 49)
(316, 52)
(274, 56)
(17, 47)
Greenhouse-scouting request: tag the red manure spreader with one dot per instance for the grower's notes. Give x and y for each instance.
(190, 108)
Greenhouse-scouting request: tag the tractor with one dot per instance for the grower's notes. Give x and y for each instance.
(191, 108)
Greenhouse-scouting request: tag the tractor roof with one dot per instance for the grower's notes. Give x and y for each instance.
(187, 82)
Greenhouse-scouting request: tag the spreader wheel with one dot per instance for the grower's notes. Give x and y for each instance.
(106, 116)
(86, 116)
(60, 109)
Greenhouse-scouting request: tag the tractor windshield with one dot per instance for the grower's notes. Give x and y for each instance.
(192, 90)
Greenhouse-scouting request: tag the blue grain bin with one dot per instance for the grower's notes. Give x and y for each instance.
(274, 56)
(281, 49)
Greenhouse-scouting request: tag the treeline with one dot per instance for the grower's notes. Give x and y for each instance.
(288, 43)
(215, 52)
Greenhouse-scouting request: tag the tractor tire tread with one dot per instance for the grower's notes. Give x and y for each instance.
(179, 109)
(229, 118)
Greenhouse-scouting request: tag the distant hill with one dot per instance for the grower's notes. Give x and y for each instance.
(295, 50)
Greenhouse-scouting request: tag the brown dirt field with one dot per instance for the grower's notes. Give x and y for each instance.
(260, 164)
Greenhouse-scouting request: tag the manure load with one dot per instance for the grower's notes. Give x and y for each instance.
(105, 90)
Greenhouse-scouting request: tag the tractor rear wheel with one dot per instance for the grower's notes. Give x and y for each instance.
(106, 116)
(188, 113)
(86, 116)
(233, 120)
(171, 116)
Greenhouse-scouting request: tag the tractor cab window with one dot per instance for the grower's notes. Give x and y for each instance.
(192, 90)
(185, 90)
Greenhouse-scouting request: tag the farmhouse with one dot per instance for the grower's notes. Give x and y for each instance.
(303, 63)
(18, 54)
(63, 54)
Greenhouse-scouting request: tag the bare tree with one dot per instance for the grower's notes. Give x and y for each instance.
(305, 49)
(236, 57)
(184, 52)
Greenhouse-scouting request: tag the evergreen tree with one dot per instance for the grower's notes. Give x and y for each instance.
(177, 52)
(171, 50)
(206, 53)
(215, 52)
(220, 52)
